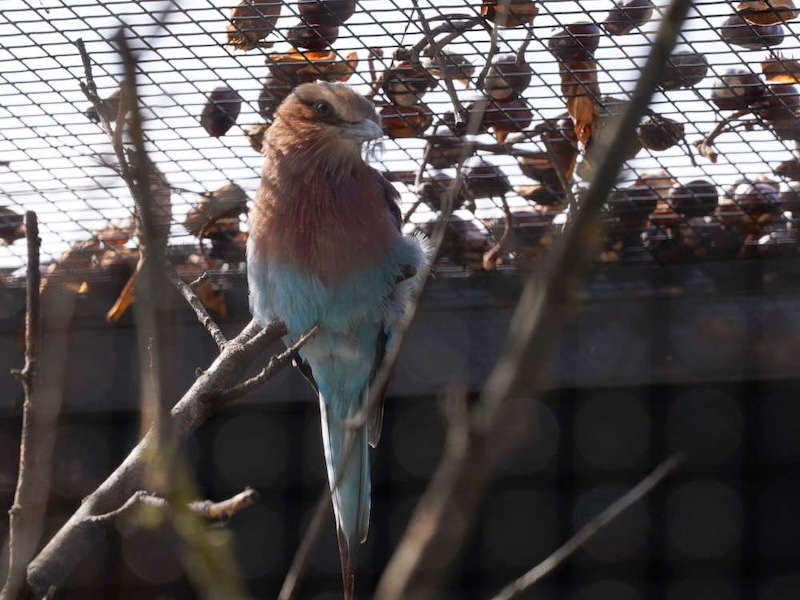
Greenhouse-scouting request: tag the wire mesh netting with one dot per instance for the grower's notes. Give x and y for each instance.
(550, 94)
(710, 175)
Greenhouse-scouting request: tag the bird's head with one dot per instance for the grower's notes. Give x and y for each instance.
(324, 118)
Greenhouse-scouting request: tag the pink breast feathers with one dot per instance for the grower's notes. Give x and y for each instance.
(325, 226)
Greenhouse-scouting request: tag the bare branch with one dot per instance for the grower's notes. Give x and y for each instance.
(87, 528)
(217, 511)
(90, 91)
(187, 291)
(275, 363)
(458, 109)
(63, 552)
(705, 146)
(200, 280)
(585, 533)
(301, 556)
(523, 48)
(491, 256)
(418, 183)
(492, 51)
(443, 517)
(32, 304)
(562, 176)
(225, 509)
(30, 498)
(456, 26)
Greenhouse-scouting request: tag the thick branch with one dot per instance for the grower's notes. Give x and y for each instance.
(445, 512)
(57, 560)
(585, 533)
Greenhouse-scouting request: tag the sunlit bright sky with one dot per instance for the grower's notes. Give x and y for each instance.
(52, 147)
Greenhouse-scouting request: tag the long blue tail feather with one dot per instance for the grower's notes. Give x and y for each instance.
(351, 494)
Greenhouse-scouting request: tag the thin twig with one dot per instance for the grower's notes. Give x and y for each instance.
(200, 280)
(492, 46)
(418, 183)
(90, 91)
(458, 109)
(225, 509)
(523, 48)
(443, 516)
(585, 533)
(30, 499)
(373, 54)
(203, 317)
(491, 256)
(292, 579)
(562, 177)
(453, 31)
(275, 363)
(216, 511)
(704, 146)
(506, 148)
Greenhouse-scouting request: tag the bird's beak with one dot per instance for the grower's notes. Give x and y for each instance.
(363, 130)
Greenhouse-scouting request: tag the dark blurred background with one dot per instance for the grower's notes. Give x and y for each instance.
(700, 358)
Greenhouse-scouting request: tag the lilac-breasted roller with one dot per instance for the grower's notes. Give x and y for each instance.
(325, 248)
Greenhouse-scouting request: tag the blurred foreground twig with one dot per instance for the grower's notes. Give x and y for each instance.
(445, 512)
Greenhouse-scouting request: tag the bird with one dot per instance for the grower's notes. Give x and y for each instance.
(325, 249)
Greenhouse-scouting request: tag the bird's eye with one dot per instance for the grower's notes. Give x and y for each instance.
(323, 109)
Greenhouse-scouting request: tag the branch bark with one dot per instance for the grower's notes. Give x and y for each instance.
(445, 512)
(35, 454)
(275, 363)
(216, 511)
(195, 303)
(63, 552)
(458, 109)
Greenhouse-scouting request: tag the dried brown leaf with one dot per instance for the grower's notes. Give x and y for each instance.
(251, 22)
(768, 13)
(308, 66)
(780, 69)
(580, 89)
